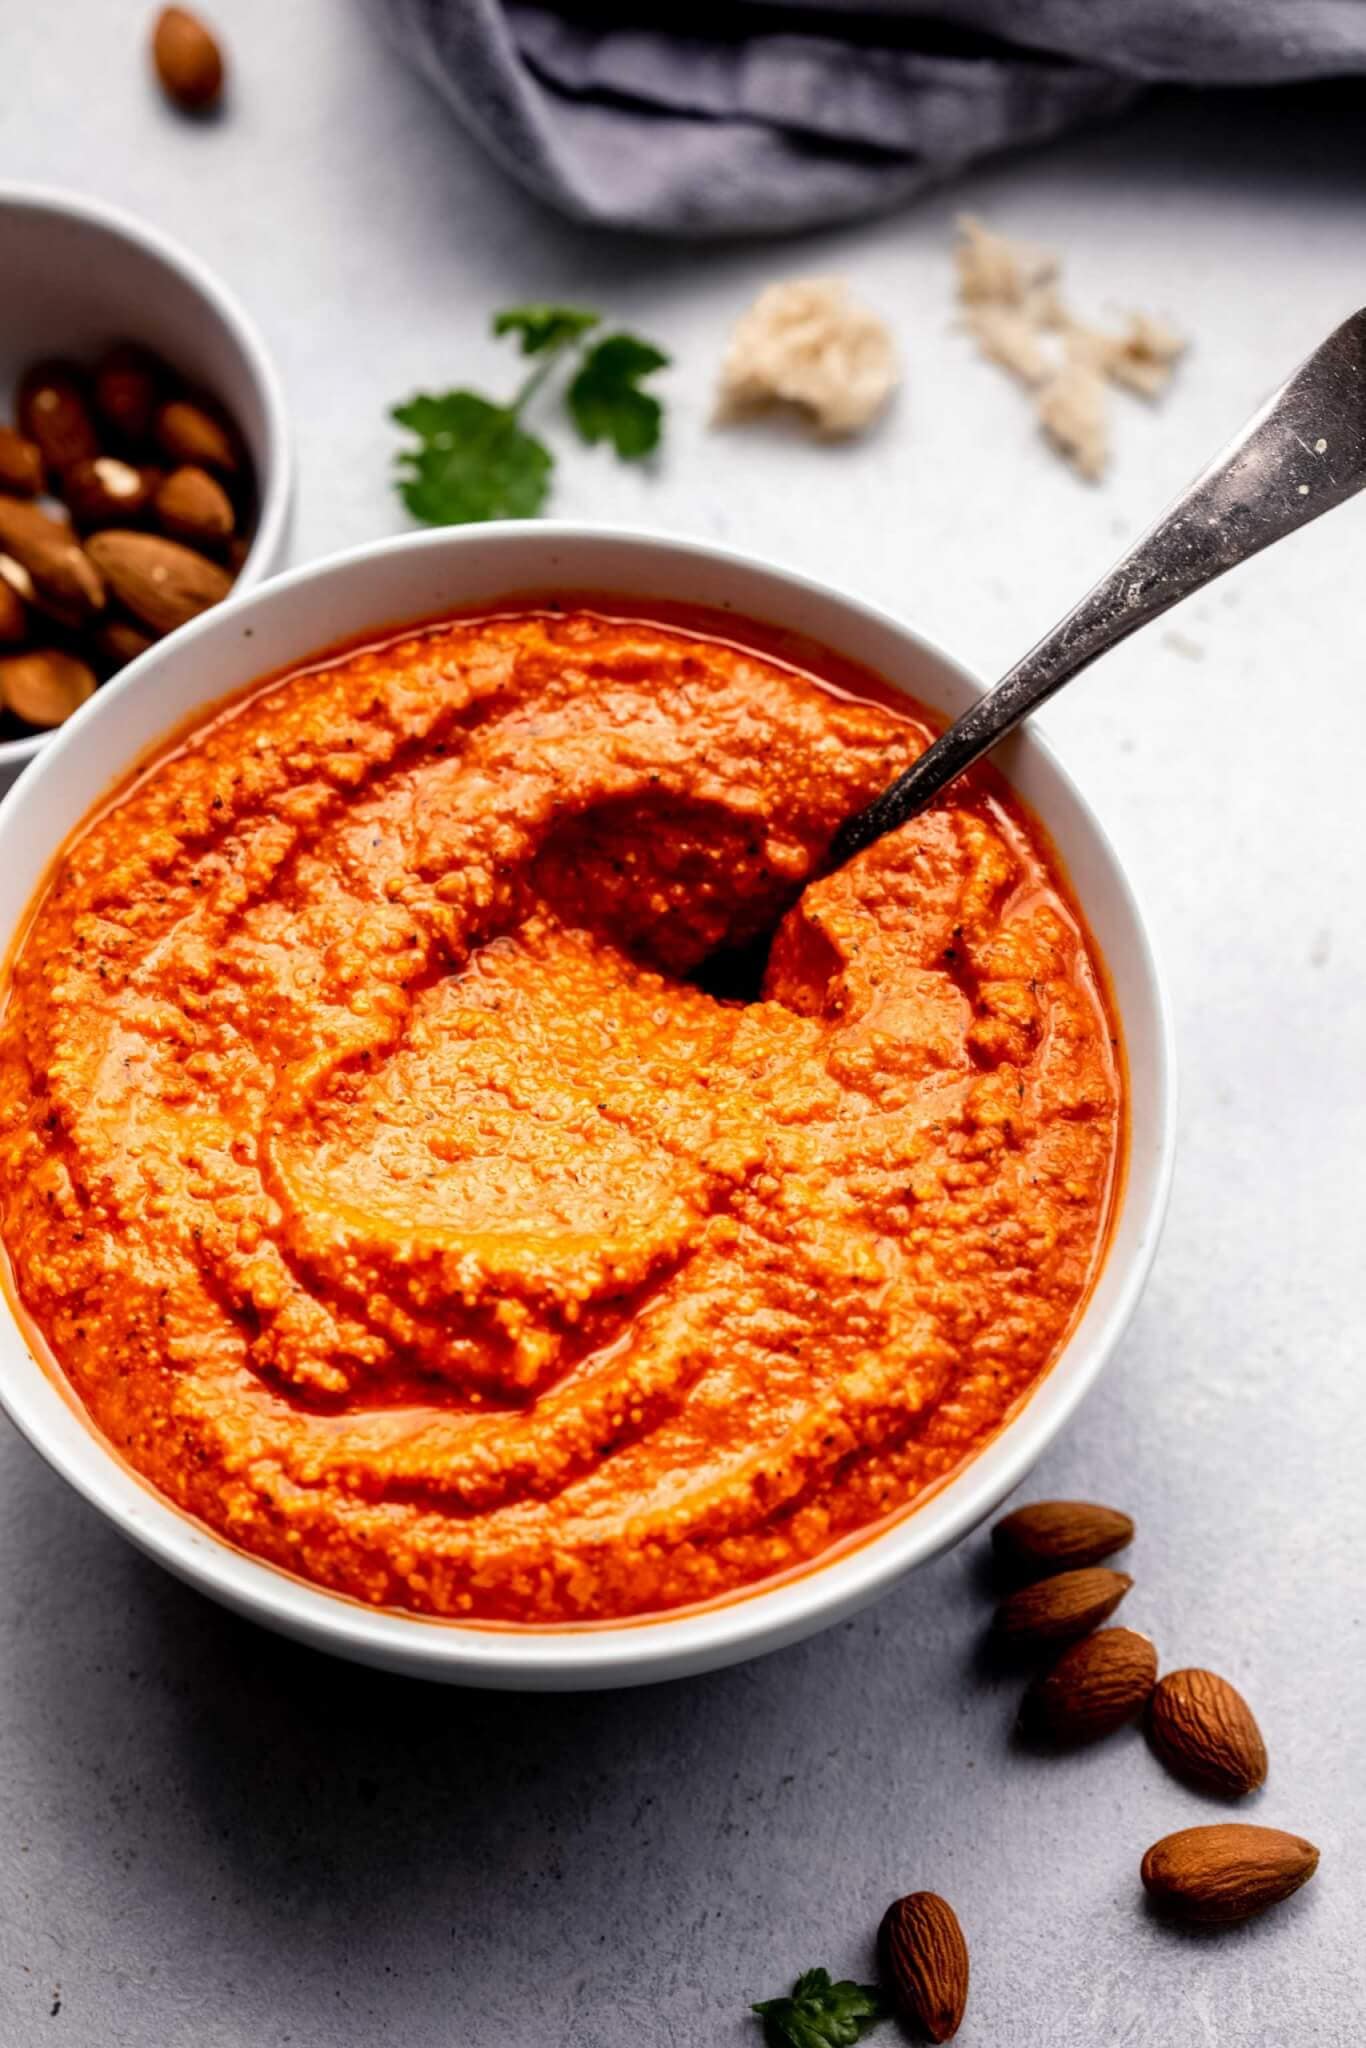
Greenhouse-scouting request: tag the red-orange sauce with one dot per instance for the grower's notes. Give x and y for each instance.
(393, 1198)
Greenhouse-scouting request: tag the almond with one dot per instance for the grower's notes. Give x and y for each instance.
(21, 465)
(1226, 1872)
(119, 641)
(158, 581)
(53, 413)
(1203, 1729)
(44, 687)
(925, 1963)
(107, 492)
(128, 383)
(1094, 1688)
(188, 432)
(190, 505)
(1058, 1535)
(64, 579)
(13, 616)
(188, 60)
(1059, 1609)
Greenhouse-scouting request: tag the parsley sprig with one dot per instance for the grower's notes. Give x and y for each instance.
(474, 459)
(819, 2014)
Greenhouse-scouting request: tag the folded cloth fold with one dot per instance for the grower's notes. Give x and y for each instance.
(752, 116)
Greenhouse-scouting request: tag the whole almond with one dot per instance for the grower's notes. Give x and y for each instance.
(1058, 1536)
(1058, 1610)
(188, 60)
(13, 615)
(191, 505)
(64, 579)
(107, 492)
(21, 465)
(44, 687)
(924, 1960)
(120, 641)
(1227, 1872)
(1094, 1688)
(54, 414)
(160, 582)
(127, 383)
(1204, 1730)
(188, 432)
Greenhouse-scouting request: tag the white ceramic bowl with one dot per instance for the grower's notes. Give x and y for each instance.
(79, 276)
(396, 581)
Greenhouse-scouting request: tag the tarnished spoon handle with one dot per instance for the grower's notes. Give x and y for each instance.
(1303, 453)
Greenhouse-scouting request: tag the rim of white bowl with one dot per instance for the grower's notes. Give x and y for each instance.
(647, 1649)
(275, 485)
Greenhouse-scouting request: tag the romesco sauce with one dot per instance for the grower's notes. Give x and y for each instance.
(393, 1197)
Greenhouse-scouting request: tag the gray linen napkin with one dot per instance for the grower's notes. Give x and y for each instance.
(751, 116)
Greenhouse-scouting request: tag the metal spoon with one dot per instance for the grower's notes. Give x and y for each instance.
(1303, 453)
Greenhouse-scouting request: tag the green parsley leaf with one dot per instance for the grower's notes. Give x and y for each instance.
(820, 2014)
(474, 461)
(604, 400)
(543, 327)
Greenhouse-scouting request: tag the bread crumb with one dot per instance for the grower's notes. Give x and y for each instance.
(1013, 307)
(807, 343)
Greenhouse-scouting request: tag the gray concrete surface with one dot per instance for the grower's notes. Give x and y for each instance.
(209, 1839)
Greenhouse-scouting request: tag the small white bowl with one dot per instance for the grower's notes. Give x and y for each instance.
(78, 276)
(375, 590)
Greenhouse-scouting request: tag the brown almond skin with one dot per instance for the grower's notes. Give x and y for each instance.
(119, 641)
(160, 582)
(1060, 1609)
(21, 465)
(65, 580)
(44, 687)
(924, 1960)
(39, 603)
(1095, 1687)
(1213, 1876)
(188, 60)
(1058, 1536)
(1203, 1730)
(54, 414)
(189, 433)
(128, 384)
(192, 506)
(13, 615)
(107, 492)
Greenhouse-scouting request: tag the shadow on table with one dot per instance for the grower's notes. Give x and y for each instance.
(299, 1795)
